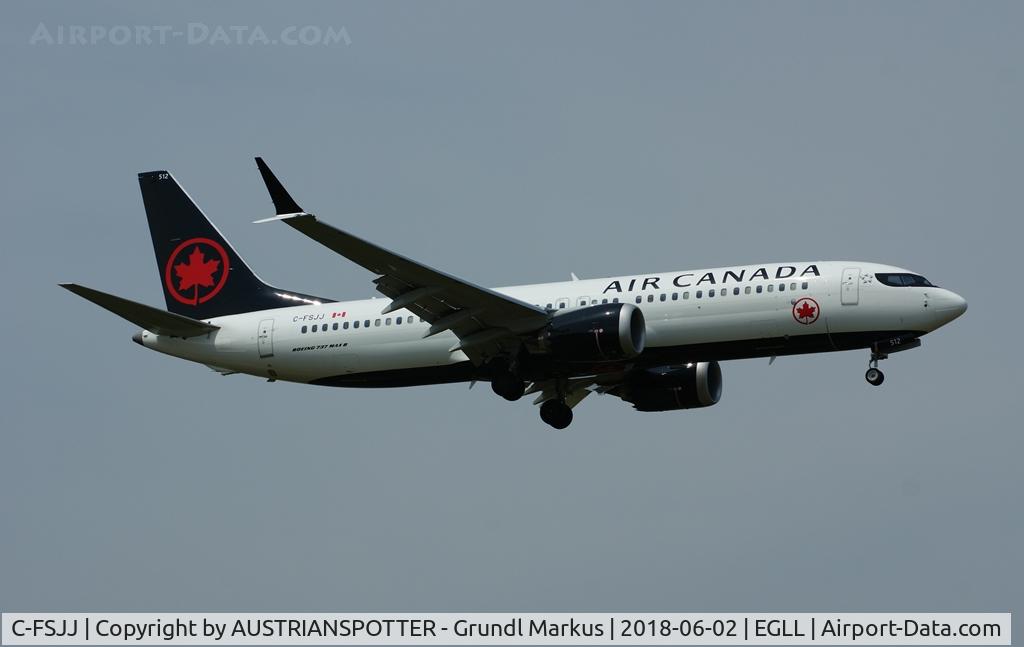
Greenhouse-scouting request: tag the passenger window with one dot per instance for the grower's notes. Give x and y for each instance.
(803, 286)
(711, 293)
(639, 298)
(387, 322)
(650, 298)
(548, 306)
(792, 286)
(345, 325)
(771, 287)
(686, 295)
(604, 300)
(409, 320)
(398, 321)
(746, 290)
(376, 322)
(675, 296)
(759, 288)
(699, 293)
(583, 302)
(663, 296)
(355, 324)
(782, 287)
(735, 291)
(615, 300)
(303, 330)
(366, 323)
(335, 326)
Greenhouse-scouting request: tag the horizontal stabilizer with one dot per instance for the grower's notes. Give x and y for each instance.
(147, 317)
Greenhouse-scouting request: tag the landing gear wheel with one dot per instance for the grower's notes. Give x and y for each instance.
(508, 385)
(556, 413)
(874, 376)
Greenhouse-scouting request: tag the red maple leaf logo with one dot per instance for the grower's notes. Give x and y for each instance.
(805, 311)
(197, 272)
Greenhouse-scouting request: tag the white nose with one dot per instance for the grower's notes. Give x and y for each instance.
(957, 304)
(949, 305)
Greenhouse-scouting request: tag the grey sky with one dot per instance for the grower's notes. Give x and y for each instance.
(514, 144)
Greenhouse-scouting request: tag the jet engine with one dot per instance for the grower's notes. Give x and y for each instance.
(605, 332)
(666, 388)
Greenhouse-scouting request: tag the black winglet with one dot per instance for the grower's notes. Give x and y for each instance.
(282, 201)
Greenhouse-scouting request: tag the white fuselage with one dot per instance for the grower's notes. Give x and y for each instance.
(839, 304)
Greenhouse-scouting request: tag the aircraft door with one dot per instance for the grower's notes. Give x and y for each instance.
(265, 338)
(850, 290)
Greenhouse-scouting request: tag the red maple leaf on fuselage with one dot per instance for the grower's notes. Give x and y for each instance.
(198, 272)
(805, 311)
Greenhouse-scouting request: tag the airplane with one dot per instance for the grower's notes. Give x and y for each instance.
(652, 340)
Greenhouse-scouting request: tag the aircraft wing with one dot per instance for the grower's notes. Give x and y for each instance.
(484, 320)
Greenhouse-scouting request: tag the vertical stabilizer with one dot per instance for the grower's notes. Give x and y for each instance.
(201, 274)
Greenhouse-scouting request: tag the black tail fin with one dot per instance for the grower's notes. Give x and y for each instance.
(201, 274)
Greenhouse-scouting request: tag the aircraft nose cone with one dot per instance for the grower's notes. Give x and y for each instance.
(960, 305)
(137, 338)
(954, 304)
(950, 306)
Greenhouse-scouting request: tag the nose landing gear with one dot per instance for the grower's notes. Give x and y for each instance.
(874, 376)
(899, 343)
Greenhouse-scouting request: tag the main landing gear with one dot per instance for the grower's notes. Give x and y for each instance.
(508, 385)
(556, 413)
(506, 382)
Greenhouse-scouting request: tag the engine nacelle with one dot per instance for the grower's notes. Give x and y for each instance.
(605, 332)
(674, 387)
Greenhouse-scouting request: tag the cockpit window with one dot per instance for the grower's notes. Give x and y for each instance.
(904, 280)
